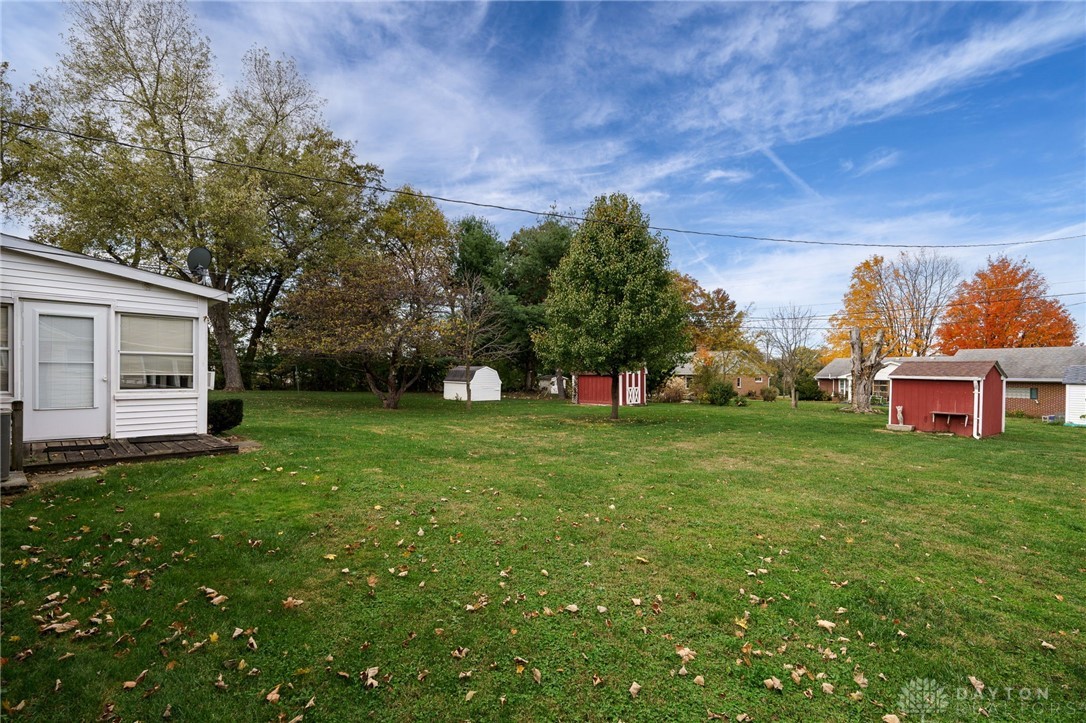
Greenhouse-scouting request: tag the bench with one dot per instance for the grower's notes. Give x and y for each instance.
(948, 415)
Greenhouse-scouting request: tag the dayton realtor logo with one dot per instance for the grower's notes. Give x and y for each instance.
(922, 697)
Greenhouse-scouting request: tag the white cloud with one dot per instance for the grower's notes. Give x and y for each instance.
(728, 175)
(879, 160)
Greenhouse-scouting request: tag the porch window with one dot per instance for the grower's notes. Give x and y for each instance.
(156, 352)
(5, 348)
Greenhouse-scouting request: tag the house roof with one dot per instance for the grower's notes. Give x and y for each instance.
(111, 268)
(938, 369)
(1075, 374)
(460, 373)
(1039, 364)
(842, 366)
(837, 368)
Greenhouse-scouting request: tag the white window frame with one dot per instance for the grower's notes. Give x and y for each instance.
(121, 354)
(739, 382)
(6, 310)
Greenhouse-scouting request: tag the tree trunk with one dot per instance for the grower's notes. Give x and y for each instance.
(864, 369)
(614, 394)
(219, 314)
(260, 325)
(795, 397)
(559, 384)
(467, 386)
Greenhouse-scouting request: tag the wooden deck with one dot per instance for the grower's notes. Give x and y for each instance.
(47, 456)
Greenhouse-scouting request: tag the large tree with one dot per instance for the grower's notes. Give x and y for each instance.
(904, 298)
(532, 254)
(387, 308)
(140, 76)
(714, 321)
(613, 302)
(1005, 305)
(786, 334)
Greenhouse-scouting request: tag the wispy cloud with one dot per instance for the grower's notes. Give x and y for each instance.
(728, 175)
(879, 160)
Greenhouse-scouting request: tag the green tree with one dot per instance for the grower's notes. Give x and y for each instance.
(531, 255)
(479, 252)
(613, 303)
(386, 308)
(140, 74)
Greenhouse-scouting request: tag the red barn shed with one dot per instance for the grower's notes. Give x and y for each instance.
(962, 397)
(596, 388)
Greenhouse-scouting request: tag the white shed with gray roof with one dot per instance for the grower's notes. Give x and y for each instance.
(1074, 383)
(486, 385)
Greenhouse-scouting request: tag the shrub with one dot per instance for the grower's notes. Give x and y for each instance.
(741, 401)
(769, 394)
(720, 393)
(673, 391)
(223, 414)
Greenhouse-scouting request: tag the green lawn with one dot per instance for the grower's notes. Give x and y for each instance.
(738, 529)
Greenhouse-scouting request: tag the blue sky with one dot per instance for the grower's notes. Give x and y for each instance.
(910, 123)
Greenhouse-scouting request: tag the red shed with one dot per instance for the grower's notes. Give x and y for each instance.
(596, 388)
(963, 397)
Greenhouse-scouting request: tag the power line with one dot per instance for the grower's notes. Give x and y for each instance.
(514, 209)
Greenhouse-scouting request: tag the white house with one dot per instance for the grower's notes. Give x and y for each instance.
(1074, 384)
(486, 385)
(98, 349)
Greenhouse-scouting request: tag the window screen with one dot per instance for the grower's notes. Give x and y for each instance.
(156, 352)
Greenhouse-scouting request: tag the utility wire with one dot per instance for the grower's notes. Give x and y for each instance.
(513, 209)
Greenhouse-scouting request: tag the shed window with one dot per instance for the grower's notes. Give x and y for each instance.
(156, 352)
(5, 348)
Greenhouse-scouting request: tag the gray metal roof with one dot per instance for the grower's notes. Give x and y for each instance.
(458, 374)
(1038, 364)
(1075, 374)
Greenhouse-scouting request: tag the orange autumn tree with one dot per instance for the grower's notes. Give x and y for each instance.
(1004, 306)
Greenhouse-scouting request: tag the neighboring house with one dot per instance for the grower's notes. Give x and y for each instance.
(835, 379)
(961, 397)
(98, 349)
(738, 368)
(1074, 383)
(596, 388)
(1034, 376)
(486, 385)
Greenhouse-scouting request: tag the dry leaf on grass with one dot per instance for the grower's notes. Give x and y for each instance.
(635, 689)
(829, 625)
(1047, 646)
(890, 718)
(773, 683)
(290, 603)
(860, 679)
(977, 683)
(460, 652)
(699, 680)
(596, 680)
(469, 696)
(827, 689)
(130, 684)
(273, 696)
(536, 675)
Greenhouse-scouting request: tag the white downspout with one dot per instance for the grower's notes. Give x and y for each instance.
(1003, 426)
(978, 408)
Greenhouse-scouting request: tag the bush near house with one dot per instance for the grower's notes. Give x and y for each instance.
(224, 414)
(720, 393)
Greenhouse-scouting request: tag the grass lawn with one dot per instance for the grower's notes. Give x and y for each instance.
(424, 564)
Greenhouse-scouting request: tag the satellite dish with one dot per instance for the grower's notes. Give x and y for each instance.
(199, 261)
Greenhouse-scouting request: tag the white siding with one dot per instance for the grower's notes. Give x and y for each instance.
(1075, 406)
(30, 277)
(157, 415)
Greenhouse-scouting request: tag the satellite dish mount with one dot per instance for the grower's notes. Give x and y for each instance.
(199, 261)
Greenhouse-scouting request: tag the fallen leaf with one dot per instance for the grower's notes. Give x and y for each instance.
(773, 683)
(977, 683)
(130, 684)
(601, 609)
(642, 560)
(827, 624)
(460, 652)
(634, 689)
(571, 609)
(685, 653)
(273, 696)
(1047, 646)
(329, 556)
(890, 718)
(827, 689)
(469, 696)
(698, 680)
(743, 718)
(251, 644)
(536, 675)
(856, 696)
(636, 601)
(290, 603)
(220, 684)
(596, 679)
(860, 679)
(219, 599)
(464, 674)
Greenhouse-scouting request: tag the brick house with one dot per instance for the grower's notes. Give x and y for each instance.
(1034, 376)
(745, 373)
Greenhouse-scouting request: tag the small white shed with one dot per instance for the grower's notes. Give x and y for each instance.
(486, 385)
(1074, 384)
(96, 349)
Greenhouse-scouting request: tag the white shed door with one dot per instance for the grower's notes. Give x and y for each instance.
(65, 362)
